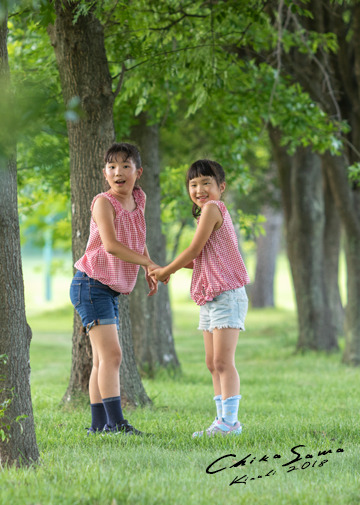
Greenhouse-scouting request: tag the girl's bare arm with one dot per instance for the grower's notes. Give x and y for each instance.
(210, 217)
(103, 214)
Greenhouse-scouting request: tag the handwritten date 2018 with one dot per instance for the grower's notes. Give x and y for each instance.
(290, 465)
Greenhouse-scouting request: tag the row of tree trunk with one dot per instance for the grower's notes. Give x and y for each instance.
(333, 81)
(313, 245)
(318, 199)
(312, 233)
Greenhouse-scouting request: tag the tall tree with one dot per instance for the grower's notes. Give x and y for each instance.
(302, 188)
(18, 446)
(84, 73)
(267, 248)
(266, 196)
(332, 79)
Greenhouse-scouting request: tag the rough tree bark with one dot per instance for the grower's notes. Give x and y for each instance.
(302, 188)
(132, 391)
(267, 247)
(332, 246)
(15, 333)
(84, 74)
(151, 316)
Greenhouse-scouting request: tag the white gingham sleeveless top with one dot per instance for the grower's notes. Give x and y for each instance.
(130, 230)
(219, 267)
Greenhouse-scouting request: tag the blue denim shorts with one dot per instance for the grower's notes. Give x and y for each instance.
(95, 302)
(228, 310)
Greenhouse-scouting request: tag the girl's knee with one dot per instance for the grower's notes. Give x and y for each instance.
(210, 364)
(112, 359)
(221, 365)
(116, 357)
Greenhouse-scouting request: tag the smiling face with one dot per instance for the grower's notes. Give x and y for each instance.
(204, 188)
(205, 180)
(121, 175)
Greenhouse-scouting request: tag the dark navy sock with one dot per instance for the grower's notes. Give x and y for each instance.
(113, 410)
(98, 416)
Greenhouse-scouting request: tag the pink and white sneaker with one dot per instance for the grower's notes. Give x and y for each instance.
(207, 431)
(219, 426)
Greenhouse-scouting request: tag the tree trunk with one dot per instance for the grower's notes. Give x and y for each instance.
(347, 200)
(332, 236)
(131, 387)
(352, 321)
(84, 74)
(151, 316)
(262, 291)
(20, 447)
(302, 189)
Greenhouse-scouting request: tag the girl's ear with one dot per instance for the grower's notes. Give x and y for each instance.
(106, 184)
(139, 172)
(222, 187)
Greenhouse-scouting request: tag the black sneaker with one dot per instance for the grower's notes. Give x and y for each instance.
(124, 427)
(92, 431)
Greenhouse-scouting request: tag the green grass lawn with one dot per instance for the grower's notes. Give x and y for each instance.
(288, 400)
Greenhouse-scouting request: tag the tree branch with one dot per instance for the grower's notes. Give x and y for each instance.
(322, 70)
(165, 53)
(176, 21)
(278, 56)
(121, 80)
(108, 22)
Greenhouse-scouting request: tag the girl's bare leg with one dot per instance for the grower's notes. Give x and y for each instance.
(209, 359)
(94, 393)
(104, 379)
(224, 347)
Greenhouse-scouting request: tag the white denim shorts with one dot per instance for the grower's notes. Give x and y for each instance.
(228, 310)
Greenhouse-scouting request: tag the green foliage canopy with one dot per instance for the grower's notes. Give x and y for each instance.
(211, 66)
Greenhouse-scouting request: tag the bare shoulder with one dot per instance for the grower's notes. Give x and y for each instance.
(212, 215)
(102, 206)
(213, 206)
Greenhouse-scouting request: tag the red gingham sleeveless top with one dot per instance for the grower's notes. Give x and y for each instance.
(130, 230)
(219, 267)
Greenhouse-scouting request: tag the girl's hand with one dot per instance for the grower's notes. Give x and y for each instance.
(165, 277)
(160, 274)
(152, 281)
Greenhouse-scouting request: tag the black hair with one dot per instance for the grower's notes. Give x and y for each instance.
(129, 151)
(204, 168)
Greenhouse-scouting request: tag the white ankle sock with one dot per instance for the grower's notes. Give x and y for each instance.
(218, 403)
(230, 408)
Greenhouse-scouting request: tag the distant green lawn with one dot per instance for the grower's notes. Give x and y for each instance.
(288, 400)
(34, 279)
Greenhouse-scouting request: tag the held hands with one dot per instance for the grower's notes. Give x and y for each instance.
(152, 281)
(159, 273)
